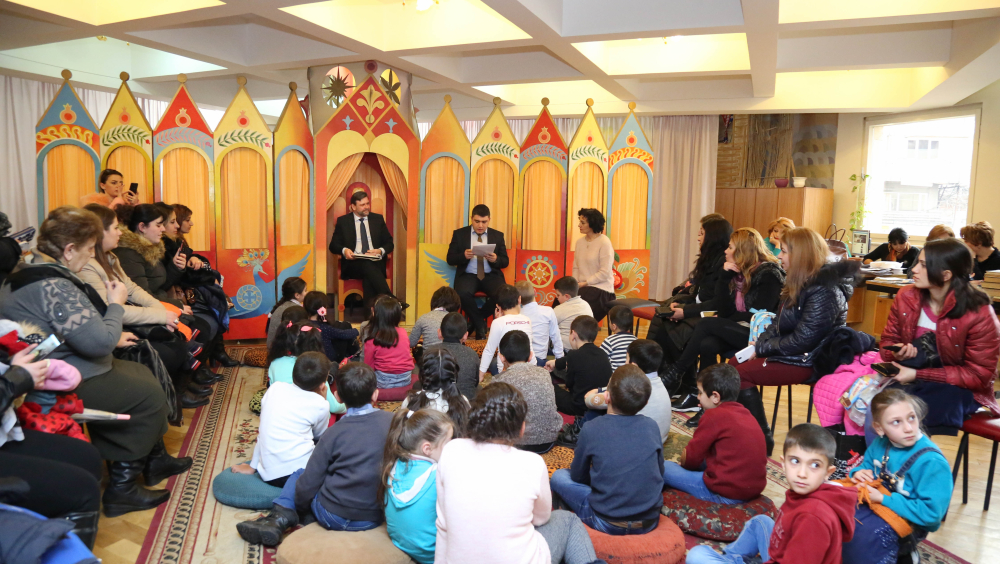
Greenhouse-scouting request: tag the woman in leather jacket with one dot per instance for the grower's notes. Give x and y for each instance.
(813, 303)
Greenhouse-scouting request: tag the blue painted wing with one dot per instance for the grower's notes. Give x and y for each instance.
(295, 270)
(442, 268)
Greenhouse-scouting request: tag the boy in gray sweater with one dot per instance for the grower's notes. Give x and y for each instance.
(453, 333)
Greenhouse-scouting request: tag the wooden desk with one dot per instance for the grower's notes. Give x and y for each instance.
(883, 293)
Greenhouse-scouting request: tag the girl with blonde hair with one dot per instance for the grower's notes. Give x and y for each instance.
(774, 231)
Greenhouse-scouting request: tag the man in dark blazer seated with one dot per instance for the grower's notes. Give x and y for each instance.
(362, 233)
(474, 274)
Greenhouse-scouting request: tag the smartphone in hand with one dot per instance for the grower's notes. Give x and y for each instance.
(892, 348)
(886, 369)
(46, 347)
(134, 188)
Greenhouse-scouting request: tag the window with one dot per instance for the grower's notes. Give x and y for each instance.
(920, 170)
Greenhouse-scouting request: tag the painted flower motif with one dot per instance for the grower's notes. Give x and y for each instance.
(182, 119)
(544, 137)
(631, 140)
(124, 117)
(496, 135)
(243, 120)
(619, 281)
(67, 115)
(590, 137)
(267, 145)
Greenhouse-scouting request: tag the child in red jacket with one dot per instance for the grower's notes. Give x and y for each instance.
(726, 460)
(816, 518)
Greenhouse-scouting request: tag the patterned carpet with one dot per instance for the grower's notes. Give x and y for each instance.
(193, 528)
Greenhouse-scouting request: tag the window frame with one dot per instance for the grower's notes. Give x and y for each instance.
(975, 110)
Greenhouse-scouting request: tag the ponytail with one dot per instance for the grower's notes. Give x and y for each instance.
(281, 346)
(408, 430)
(289, 288)
(438, 373)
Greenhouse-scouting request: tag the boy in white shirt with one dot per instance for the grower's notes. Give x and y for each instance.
(544, 325)
(570, 306)
(508, 317)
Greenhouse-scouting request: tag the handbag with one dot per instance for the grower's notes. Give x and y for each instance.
(927, 353)
(835, 240)
(144, 353)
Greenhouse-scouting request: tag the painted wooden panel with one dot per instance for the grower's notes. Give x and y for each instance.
(184, 178)
(765, 208)
(133, 164)
(629, 202)
(725, 202)
(69, 175)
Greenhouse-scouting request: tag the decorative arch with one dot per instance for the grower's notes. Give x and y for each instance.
(631, 146)
(127, 141)
(588, 173)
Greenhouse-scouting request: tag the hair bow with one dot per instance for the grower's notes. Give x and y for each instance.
(322, 313)
(289, 326)
(409, 413)
(307, 327)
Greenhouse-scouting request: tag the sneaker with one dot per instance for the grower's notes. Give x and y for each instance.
(693, 422)
(686, 403)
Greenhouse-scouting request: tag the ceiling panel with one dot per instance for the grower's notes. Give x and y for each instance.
(101, 12)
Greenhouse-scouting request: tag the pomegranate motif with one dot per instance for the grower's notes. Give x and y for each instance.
(124, 118)
(67, 115)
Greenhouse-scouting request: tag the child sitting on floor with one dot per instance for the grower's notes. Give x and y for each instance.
(616, 345)
(647, 355)
(586, 367)
(293, 291)
(569, 306)
(542, 422)
(408, 489)
(340, 340)
(816, 518)
(278, 347)
(453, 332)
(438, 391)
(494, 504)
(445, 300)
(387, 348)
(300, 338)
(726, 460)
(912, 469)
(508, 317)
(292, 417)
(615, 482)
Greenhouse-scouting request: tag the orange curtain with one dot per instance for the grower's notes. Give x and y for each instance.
(184, 178)
(495, 188)
(131, 162)
(69, 175)
(339, 177)
(586, 190)
(244, 200)
(542, 206)
(368, 176)
(396, 180)
(629, 194)
(444, 198)
(293, 194)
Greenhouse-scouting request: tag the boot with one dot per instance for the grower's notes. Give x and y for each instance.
(160, 465)
(205, 377)
(692, 423)
(219, 353)
(570, 433)
(677, 380)
(267, 530)
(198, 390)
(124, 494)
(84, 525)
(750, 399)
(189, 400)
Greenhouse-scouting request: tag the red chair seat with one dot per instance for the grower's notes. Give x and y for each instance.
(662, 545)
(647, 313)
(983, 425)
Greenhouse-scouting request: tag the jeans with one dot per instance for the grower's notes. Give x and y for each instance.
(693, 483)
(287, 497)
(576, 497)
(753, 540)
(540, 361)
(328, 520)
(386, 380)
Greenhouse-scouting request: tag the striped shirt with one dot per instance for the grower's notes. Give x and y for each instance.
(616, 347)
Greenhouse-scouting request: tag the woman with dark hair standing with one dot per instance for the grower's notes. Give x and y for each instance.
(944, 315)
(44, 290)
(593, 263)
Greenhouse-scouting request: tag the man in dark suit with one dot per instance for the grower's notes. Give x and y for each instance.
(478, 274)
(363, 234)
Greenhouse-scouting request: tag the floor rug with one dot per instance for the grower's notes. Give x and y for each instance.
(193, 528)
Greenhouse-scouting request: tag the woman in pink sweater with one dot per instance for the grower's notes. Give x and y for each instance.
(387, 347)
(511, 521)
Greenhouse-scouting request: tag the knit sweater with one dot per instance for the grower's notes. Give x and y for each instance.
(543, 422)
(566, 312)
(345, 468)
(616, 347)
(730, 444)
(594, 261)
(427, 326)
(621, 458)
(811, 528)
(391, 360)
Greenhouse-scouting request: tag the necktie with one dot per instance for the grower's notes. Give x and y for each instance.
(364, 237)
(480, 261)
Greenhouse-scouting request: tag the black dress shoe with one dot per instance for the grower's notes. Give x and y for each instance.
(160, 465)
(223, 358)
(686, 403)
(692, 423)
(267, 530)
(124, 494)
(190, 400)
(200, 391)
(205, 377)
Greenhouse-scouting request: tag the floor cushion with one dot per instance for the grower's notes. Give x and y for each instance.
(715, 521)
(246, 491)
(397, 394)
(313, 543)
(662, 545)
(256, 356)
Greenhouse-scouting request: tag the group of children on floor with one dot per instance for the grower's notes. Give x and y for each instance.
(455, 473)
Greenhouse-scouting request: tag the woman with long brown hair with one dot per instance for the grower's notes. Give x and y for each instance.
(751, 280)
(813, 303)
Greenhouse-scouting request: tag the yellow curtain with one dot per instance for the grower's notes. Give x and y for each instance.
(131, 162)
(368, 176)
(396, 180)
(586, 190)
(629, 194)
(542, 206)
(184, 178)
(339, 177)
(69, 175)
(293, 194)
(244, 200)
(444, 197)
(495, 188)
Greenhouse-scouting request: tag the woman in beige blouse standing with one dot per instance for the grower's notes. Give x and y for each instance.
(593, 263)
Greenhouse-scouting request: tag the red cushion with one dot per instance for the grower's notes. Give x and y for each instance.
(715, 521)
(397, 394)
(983, 425)
(662, 545)
(646, 313)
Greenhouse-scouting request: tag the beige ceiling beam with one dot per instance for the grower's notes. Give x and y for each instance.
(760, 18)
(974, 63)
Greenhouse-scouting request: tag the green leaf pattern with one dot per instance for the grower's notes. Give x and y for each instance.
(242, 136)
(124, 133)
(495, 148)
(588, 151)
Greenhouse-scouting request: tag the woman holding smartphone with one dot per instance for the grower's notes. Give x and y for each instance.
(113, 184)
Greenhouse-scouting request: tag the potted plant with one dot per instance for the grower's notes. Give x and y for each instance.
(859, 213)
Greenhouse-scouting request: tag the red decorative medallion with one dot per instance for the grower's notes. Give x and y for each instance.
(67, 115)
(124, 117)
(182, 119)
(544, 137)
(243, 120)
(631, 140)
(496, 135)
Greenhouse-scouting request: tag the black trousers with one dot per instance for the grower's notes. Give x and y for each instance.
(712, 337)
(566, 403)
(467, 285)
(372, 278)
(598, 300)
(64, 473)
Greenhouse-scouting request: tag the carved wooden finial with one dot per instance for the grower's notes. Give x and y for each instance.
(496, 101)
(631, 105)
(292, 86)
(447, 98)
(545, 101)
(241, 80)
(66, 74)
(182, 78)
(124, 76)
(590, 102)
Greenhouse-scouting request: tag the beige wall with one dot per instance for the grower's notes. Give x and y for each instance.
(985, 199)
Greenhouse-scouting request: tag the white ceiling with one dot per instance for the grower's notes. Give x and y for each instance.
(831, 56)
